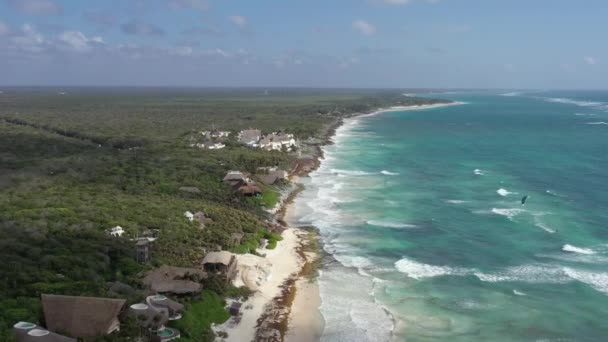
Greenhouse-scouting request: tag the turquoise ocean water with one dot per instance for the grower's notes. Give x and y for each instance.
(421, 214)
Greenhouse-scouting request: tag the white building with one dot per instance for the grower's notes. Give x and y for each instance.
(215, 134)
(116, 231)
(211, 145)
(278, 141)
(189, 216)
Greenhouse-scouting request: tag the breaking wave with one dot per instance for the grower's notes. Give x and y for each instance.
(349, 172)
(579, 250)
(504, 192)
(511, 94)
(390, 224)
(455, 201)
(597, 123)
(388, 173)
(574, 102)
(478, 172)
(509, 213)
(418, 270)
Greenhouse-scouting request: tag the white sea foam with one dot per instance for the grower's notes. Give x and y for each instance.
(574, 102)
(349, 172)
(585, 114)
(545, 227)
(597, 123)
(390, 224)
(579, 250)
(504, 192)
(417, 270)
(526, 273)
(388, 173)
(518, 293)
(515, 93)
(479, 172)
(455, 201)
(597, 280)
(508, 212)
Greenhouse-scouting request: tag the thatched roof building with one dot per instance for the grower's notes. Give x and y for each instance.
(177, 280)
(81, 316)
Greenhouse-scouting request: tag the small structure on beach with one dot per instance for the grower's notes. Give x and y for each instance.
(223, 263)
(116, 231)
(235, 308)
(81, 317)
(175, 280)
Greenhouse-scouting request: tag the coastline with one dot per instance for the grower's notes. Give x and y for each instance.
(287, 306)
(306, 323)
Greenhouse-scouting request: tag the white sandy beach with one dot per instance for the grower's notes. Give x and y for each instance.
(284, 262)
(305, 321)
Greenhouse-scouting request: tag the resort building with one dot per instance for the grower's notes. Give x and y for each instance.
(271, 175)
(155, 313)
(81, 317)
(29, 332)
(174, 280)
(223, 263)
(278, 142)
(241, 183)
(235, 177)
(250, 137)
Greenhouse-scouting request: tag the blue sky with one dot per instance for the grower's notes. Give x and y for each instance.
(310, 43)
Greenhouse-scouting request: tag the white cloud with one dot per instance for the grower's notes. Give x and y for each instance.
(182, 51)
(364, 27)
(78, 41)
(590, 60)
(29, 39)
(217, 52)
(4, 29)
(239, 21)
